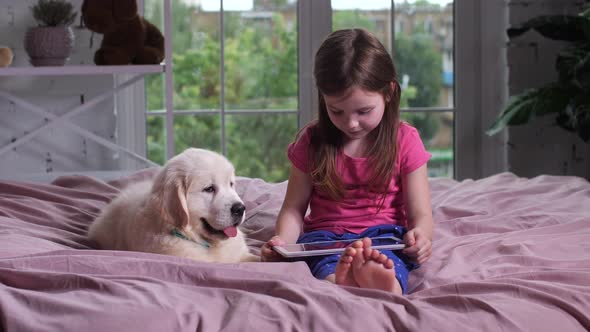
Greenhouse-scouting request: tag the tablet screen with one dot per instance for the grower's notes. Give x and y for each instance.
(327, 247)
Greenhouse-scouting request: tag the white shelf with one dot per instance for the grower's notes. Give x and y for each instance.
(135, 72)
(81, 70)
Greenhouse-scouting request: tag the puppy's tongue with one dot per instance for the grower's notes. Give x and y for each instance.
(231, 231)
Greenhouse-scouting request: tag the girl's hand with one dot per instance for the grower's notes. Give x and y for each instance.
(267, 254)
(419, 246)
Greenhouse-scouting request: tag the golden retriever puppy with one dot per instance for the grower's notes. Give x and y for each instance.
(190, 209)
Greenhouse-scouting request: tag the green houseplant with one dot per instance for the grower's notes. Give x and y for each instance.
(51, 43)
(567, 99)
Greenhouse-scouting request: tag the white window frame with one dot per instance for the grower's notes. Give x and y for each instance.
(481, 86)
(480, 82)
(314, 24)
(480, 79)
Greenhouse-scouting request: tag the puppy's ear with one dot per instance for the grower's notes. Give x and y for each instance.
(169, 193)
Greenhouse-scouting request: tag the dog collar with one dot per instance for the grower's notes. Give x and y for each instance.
(176, 232)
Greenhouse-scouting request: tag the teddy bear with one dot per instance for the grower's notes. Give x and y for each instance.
(128, 38)
(6, 56)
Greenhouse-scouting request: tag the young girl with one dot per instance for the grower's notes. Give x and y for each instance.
(360, 170)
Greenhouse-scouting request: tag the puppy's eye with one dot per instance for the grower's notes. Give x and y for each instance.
(210, 189)
(231, 184)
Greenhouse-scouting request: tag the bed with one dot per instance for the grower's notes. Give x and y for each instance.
(510, 254)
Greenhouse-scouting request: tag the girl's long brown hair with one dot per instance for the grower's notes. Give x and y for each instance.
(354, 58)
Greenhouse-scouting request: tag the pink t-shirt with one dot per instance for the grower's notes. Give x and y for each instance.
(357, 211)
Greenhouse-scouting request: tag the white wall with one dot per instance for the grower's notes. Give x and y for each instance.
(57, 149)
(540, 147)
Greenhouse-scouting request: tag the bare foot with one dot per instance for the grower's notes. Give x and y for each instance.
(372, 269)
(343, 268)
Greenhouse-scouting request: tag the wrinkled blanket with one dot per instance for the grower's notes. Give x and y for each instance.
(510, 254)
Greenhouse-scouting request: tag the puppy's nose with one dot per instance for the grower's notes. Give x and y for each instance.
(237, 210)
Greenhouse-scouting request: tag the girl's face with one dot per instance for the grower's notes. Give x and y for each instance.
(356, 112)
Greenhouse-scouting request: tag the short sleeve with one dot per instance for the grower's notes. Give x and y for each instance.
(298, 151)
(412, 153)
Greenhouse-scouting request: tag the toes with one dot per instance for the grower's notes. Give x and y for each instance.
(366, 242)
(349, 252)
(358, 259)
(388, 264)
(381, 258)
(356, 244)
(375, 255)
(367, 253)
(346, 259)
(343, 273)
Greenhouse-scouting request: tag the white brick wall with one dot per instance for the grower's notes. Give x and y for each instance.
(57, 149)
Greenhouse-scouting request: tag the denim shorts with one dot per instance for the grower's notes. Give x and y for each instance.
(323, 266)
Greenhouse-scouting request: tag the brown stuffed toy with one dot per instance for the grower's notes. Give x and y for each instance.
(128, 37)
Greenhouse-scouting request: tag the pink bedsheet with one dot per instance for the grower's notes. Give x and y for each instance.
(510, 254)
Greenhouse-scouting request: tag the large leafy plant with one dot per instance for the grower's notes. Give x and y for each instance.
(567, 99)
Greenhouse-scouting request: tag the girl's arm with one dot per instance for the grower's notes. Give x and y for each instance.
(290, 219)
(419, 213)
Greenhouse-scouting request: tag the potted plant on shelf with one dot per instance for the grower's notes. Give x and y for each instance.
(51, 43)
(568, 99)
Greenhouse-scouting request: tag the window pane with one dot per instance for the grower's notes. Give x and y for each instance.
(196, 48)
(199, 131)
(374, 16)
(257, 144)
(261, 55)
(156, 139)
(423, 56)
(196, 55)
(436, 131)
(260, 65)
(423, 46)
(424, 50)
(154, 83)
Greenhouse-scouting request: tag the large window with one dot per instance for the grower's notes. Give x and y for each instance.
(235, 83)
(236, 67)
(419, 34)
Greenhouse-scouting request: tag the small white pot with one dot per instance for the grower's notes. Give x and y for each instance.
(49, 46)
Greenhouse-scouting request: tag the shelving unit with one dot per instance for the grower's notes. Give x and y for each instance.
(82, 70)
(137, 72)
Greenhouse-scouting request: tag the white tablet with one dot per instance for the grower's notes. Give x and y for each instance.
(335, 247)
